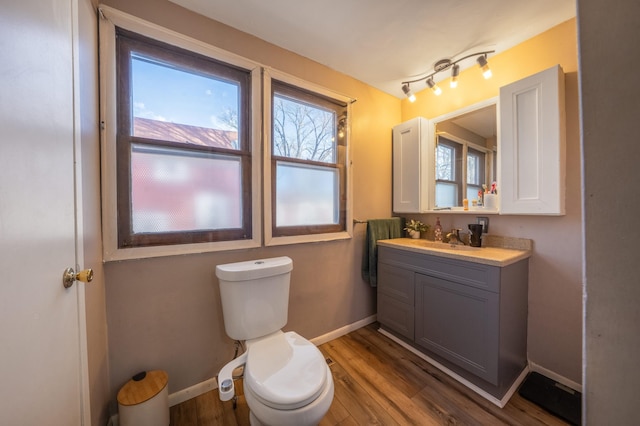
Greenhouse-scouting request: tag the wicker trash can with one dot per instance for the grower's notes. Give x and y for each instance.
(144, 400)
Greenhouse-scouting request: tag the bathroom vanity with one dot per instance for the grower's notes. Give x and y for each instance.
(462, 308)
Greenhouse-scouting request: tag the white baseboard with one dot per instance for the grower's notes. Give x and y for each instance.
(343, 330)
(499, 402)
(192, 391)
(555, 376)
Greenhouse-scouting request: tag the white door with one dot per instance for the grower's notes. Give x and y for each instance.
(40, 363)
(532, 146)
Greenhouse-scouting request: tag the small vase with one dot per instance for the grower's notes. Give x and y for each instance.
(414, 234)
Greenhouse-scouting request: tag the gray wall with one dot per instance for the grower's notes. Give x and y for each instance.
(609, 39)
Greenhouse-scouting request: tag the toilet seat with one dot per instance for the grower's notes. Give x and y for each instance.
(285, 371)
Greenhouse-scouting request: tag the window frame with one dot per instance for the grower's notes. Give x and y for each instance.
(129, 44)
(110, 19)
(301, 234)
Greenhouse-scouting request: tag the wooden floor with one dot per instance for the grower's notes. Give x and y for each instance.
(378, 382)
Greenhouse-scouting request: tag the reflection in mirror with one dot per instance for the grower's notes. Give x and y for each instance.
(466, 150)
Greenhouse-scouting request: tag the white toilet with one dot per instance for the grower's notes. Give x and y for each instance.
(286, 378)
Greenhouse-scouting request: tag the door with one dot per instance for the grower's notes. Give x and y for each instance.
(411, 157)
(459, 323)
(532, 145)
(40, 363)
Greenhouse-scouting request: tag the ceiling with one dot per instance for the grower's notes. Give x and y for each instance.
(384, 42)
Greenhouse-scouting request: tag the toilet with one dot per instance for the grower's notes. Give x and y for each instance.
(286, 378)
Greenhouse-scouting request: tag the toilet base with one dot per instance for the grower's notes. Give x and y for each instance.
(309, 415)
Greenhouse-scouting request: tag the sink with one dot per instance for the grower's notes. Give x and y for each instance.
(442, 246)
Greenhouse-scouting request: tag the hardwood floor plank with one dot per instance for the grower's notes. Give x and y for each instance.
(363, 409)
(336, 415)
(184, 414)
(377, 381)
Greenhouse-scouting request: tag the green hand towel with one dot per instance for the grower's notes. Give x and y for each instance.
(378, 229)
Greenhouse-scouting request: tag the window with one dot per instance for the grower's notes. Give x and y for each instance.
(182, 146)
(308, 161)
(475, 173)
(455, 177)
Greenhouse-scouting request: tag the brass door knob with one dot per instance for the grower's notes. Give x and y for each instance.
(69, 276)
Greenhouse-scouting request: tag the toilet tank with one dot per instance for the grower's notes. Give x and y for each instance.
(255, 296)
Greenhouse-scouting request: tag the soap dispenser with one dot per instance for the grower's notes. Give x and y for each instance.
(437, 231)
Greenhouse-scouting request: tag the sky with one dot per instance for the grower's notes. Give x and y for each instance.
(183, 97)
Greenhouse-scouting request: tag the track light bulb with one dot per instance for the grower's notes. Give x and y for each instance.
(454, 76)
(433, 86)
(486, 71)
(407, 91)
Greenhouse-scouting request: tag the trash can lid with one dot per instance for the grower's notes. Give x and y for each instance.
(142, 387)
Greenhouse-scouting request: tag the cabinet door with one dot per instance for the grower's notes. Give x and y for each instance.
(395, 299)
(410, 162)
(532, 145)
(458, 323)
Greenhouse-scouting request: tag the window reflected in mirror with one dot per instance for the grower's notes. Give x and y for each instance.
(466, 149)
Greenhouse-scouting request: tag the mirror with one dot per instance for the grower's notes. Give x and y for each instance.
(466, 155)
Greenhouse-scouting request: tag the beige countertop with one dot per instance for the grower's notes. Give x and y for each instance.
(499, 251)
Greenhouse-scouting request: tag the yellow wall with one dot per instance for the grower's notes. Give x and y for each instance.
(555, 46)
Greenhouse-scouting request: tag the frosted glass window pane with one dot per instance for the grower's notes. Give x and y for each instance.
(472, 192)
(306, 195)
(173, 190)
(177, 105)
(446, 194)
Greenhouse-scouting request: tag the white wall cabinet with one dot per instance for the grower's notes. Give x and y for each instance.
(413, 179)
(531, 151)
(531, 145)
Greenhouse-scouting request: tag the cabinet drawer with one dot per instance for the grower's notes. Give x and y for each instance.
(396, 316)
(396, 283)
(477, 275)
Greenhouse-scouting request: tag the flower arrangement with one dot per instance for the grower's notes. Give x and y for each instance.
(416, 225)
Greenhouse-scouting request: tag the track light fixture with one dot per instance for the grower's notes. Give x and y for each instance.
(445, 64)
(407, 91)
(433, 86)
(455, 70)
(486, 71)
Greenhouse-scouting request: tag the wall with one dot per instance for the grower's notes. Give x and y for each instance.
(555, 269)
(165, 312)
(609, 39)
(94, 294)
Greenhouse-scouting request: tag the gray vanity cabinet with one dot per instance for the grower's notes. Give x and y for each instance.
(468, 316)
(396, 299)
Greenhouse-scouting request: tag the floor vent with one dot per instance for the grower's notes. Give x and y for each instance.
(554, 397)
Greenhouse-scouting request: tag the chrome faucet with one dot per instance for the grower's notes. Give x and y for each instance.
(453, 237)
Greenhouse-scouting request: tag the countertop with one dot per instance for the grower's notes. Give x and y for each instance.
(499, 251)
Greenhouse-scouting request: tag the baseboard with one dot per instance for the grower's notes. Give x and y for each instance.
(343, 330)
(192, 391)
(555, 376)
(499, 402)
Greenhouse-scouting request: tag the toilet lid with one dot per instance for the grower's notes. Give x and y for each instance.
(285, 371)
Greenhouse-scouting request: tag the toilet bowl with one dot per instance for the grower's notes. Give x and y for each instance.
(286, 378)
(287, 381)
